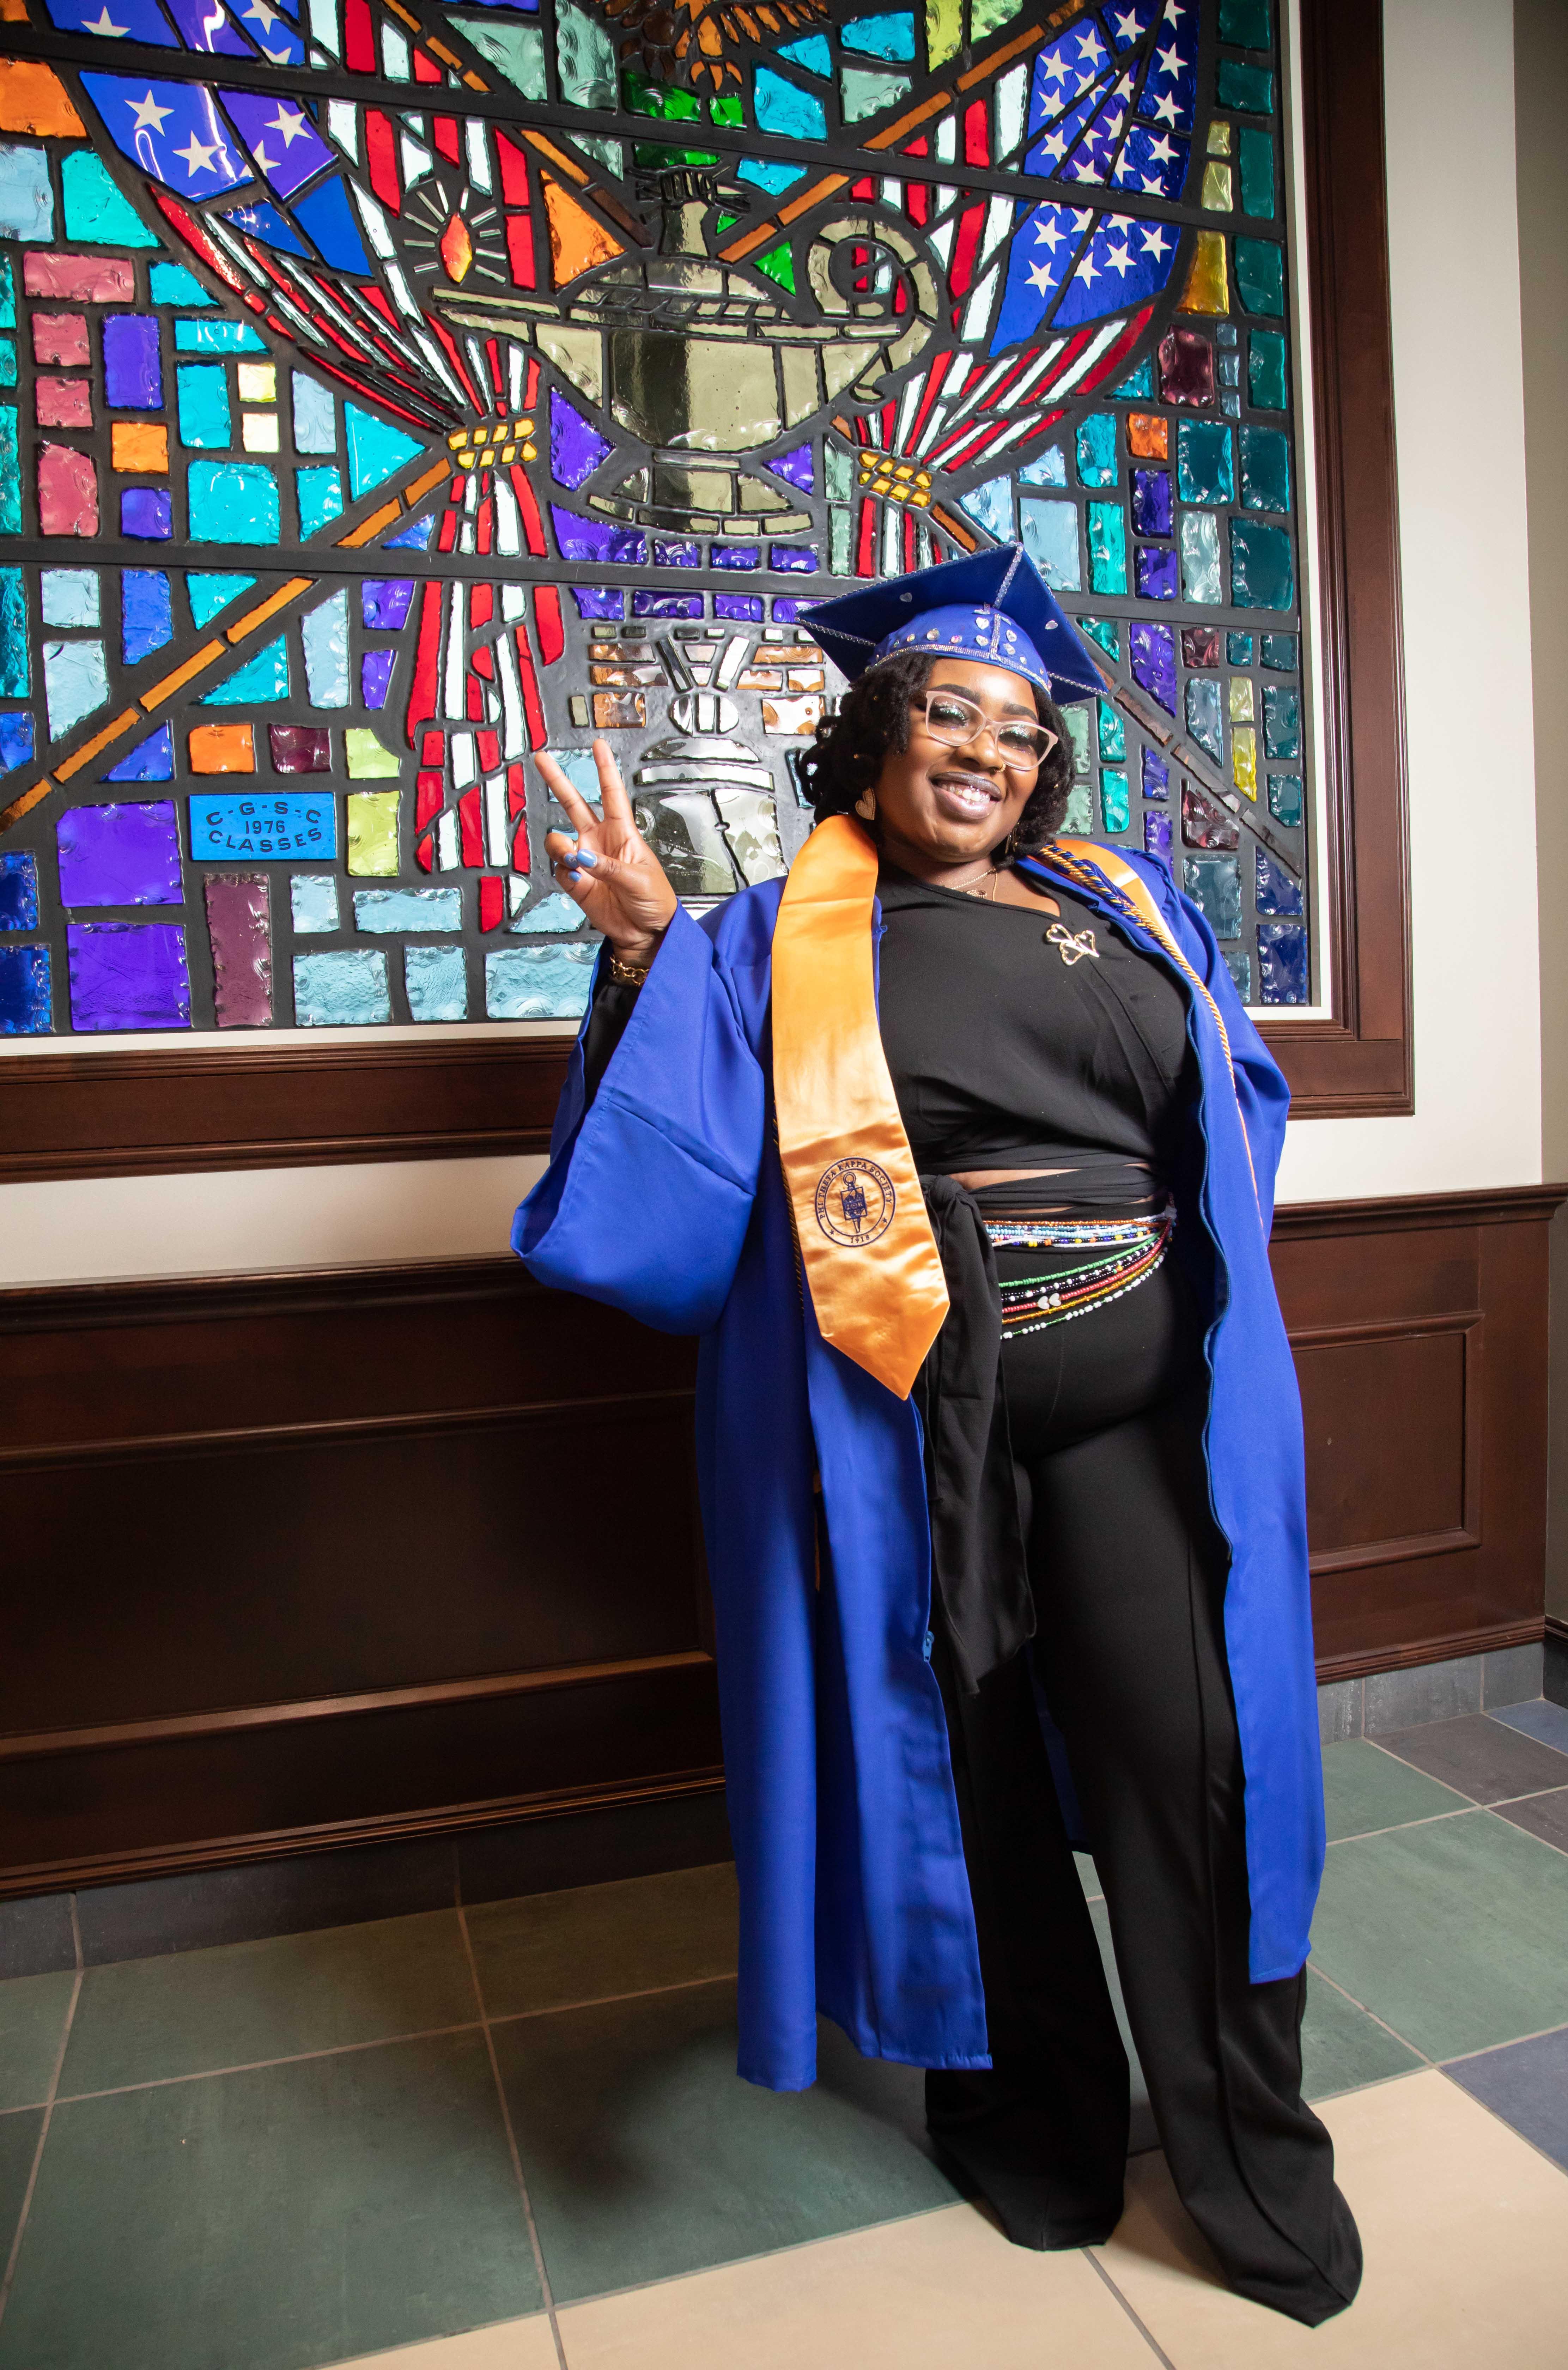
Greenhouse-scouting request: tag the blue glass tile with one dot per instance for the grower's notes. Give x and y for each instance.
(1230, 370)
(1282, 721)
(666, 605)
(232, 502)
(1050, 534)
(325, 634)
(15, 738)
(1097, 459)
(128, 975)
(216, 338)
(280, 828)
(146, 514)
(172, 284)
(1156, 573)
(19, 890)
(327, 217)
(1281, 651)
(147, 613)
(1204, 471)
(1157, 834)
(1050, 470)
(742, 608)
(27, 201)
(1155, 775)
(598, 600)
(1285, 799)
(1214, 883)
(1262, 571)
(75, 683)
(69, 596)
(798, 468)
(742, 557)
(778, 106)
(1239, 963)
(1227, 334)
(385, 603)
(585, 538)
(791, 559)
(436, 979)
(132, 370)
(319, 490)
(1277, 892)
(552, 917)
(538, 983)
(576, 446)
(1203, 715)
(671, 553)
(118, 854)
(1152, 649)
(880, 37)
(313, 903)
(1151, 501)
(785, 609)
(315, 417)
(25, 998)
(151, 760)
(990, 505)
(1282, 960)
(384, 911)
(343, 988)
(414, 537)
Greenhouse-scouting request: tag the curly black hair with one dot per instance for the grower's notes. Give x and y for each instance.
(874, 719)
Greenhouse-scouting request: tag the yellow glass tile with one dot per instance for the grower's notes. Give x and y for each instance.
(373, 833)
(530, 452)
(1244, 759)
(1241, 699)
(509, 452)
(1208, 282)
(458, 436)
(258, 383)
(259, 431)
(1148, 436)
(140, 446)
(367, 756)
(1219, 137)
(1217, 195)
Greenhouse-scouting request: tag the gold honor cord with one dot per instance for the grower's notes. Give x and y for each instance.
(866, 1244)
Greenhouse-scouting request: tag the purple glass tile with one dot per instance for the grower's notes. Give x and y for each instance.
(736, 554)
(1200, 646)
(740, 608)
(239, 930)
(128, 975)
(146, 513)
(281, 137)
(576, 446)
(668, 554)
(206, 27)
(1151, 501)
(1155, 775)
(1157, 835)
(133, 374)
(24, 992)
(1156, 573)
(796, 468)
(375, 676)
(598, 600)
(384, 602)
(151, 760)
(1277, 892)
(299, 749)
(583, 538)
(793, 558)
(1282, 960)
(788, 611)
(666, 605)
(1153, 649)
(1186, 367)
(119, 854)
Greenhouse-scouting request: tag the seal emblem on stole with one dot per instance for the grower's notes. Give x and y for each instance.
(854, 1201)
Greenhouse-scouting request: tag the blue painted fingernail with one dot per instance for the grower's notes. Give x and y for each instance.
(584, 856)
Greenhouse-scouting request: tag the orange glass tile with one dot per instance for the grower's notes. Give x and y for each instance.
(140, 446)
(1148, 436)
(1208, 282)
(576, 240)
(222, 749)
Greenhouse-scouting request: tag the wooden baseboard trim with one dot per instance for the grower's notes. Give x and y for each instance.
(1462, 1644)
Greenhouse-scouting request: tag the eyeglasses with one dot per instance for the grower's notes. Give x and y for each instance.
(955, 722)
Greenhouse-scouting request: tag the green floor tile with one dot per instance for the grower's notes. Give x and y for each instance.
(244, 2002)
(19, 2141)
(599, 1941)
(646, 2156)
(1342, 2048)
(1455, 1933)
(33, 2009)
(1366, 1789)
(274, 2220)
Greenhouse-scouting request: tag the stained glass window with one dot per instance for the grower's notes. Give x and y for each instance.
(388, 393)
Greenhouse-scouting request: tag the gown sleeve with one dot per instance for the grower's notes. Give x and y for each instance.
(652, 1174)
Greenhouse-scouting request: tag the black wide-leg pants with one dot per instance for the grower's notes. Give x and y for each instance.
(1128, 1576)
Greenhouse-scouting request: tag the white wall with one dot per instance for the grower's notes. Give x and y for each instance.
(1454, 264)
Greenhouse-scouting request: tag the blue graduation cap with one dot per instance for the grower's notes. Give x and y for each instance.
(995, 605)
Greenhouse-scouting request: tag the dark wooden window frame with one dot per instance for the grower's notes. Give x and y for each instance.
(284, 1103)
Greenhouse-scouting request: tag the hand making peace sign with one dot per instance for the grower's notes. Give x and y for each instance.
(609, 869)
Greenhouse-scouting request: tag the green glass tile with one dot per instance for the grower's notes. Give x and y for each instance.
(729, 109)
(838, 471)
(862, 92)
(1455, 1933)
(1285, 799)
(1097, 449)
(1366, 1789)
(146, 2020)
(1246, 87)
(1113, 800)
(1260, 276)
(1079, 818)
(839, 539)
(985, 17)
(1342, 2047)
(597, 1941)
(1113, 732)
(517, 50)
(778, 264)
(944, 27)
(1262, 571)
(1075, 716)
(274, 2219)
(1257, 171)
(646, 2156)
(32, 2022)
(1244, 24)
(1265, 470)
(1204, 467)
(586, 58)
(644, 97)
(1107, 547)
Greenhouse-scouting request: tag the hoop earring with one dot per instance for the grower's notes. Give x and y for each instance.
(866, 806)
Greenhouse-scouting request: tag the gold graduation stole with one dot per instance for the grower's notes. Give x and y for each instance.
(865, 1240)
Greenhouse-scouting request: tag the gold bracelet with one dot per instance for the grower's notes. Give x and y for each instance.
(631, 975)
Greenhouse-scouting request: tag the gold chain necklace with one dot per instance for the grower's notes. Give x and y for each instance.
(992, 873)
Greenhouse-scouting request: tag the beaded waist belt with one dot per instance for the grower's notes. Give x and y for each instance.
(1128, 1251)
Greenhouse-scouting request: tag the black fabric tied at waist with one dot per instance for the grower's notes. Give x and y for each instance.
(979, 1577)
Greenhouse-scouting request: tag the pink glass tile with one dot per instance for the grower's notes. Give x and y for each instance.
(59, 337)
(67, 491)
(62, 402)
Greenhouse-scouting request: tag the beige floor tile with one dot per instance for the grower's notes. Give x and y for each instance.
(941, 2290)
(1465, 2229)
(504, 2345)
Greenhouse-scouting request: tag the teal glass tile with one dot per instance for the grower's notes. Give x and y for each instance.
(377, 450)
(265, 676)
(1097, 458)
(1265, 470)
(767, 173)
(1239, 963)
(319, 490)
(1282, 651)
(216, 338)
(436, 979)
(1246, 88)
(343, 989)
(538, 983)
(1267, 385)
(171, 284)
(1257, 166)
(315, 416)
(517, 50)
(784, 108)
(839, 471)
(232, 502)
(10, 472)
(69, 596)
(1285, 799)
(880, 36)
(203, 405)
(1244, 24)
(325, 634)
(97, 212)
(1282, 721)
(1260, 276)
(1113, 732)
(313, 902)
(812, 52)
(862, 93)
(1106, 632)
(1139, 387)
(1200, 557)
(1262, 571)
(16, 666)
(1204, 714)
(1115, 803)
(8, 362)
(385, 910)
(1204, 466)
(1107, 547)
(7, 294)
(208, 594)
(1214, 883)
(1239, 649)
(1049, 531)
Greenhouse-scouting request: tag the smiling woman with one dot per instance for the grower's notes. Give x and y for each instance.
(957, 1149)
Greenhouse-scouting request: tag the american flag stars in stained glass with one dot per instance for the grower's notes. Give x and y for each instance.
(623, 329)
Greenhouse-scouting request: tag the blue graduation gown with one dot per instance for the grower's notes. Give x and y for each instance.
(665, 1198)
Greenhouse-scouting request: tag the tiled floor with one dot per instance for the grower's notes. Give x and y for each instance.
(511, 2137)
